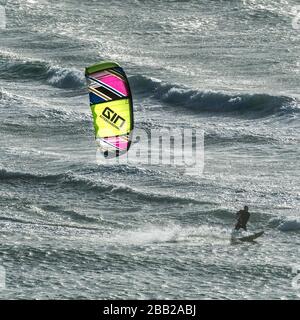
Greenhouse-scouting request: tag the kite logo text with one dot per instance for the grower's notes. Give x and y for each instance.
(113, 118)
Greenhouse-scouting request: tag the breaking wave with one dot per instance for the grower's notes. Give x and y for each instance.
(255, 105)
(66, 78)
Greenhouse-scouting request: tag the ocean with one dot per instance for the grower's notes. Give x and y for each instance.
(73, 228)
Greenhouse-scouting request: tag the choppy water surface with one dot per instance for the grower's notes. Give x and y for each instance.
(71, 228)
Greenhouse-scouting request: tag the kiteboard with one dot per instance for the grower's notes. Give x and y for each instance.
(248, 237)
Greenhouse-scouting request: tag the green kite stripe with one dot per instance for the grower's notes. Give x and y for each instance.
(102, 65)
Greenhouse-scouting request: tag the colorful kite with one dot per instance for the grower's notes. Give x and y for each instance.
(112, 108)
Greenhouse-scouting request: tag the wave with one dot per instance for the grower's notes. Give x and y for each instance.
(12, 68)
(80, 182)
(67, 78)
(289, 225)
(286, 224)
(255, 105)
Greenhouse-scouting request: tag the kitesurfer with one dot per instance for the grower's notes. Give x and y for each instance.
(242, 219)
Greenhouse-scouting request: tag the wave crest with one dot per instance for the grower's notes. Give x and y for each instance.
(289, 225)
(256, 105)
(286, 224)
(66, 78)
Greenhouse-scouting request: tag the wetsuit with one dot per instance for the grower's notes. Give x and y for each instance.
(243, 217)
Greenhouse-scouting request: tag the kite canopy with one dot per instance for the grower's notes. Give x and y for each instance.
(112, 108)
